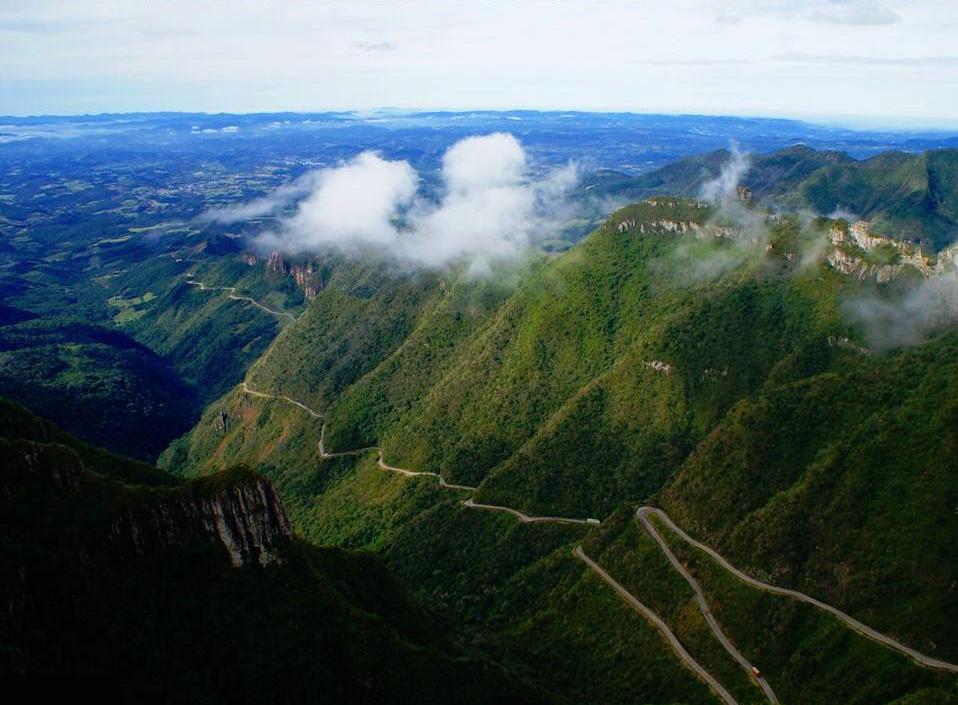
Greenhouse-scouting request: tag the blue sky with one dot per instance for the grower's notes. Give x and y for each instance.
(868, 62)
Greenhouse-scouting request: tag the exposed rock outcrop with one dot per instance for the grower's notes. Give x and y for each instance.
(38, 467)
(309, 275)
(239, 511)
(672, 203)
(852, 245)
(246, 518)
(276, 263)
(857, 267)
(841, 341)
(714, 373)
(677, 227)
(307, 279)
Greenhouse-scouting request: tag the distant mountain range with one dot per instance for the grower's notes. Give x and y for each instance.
(905, 196)
(776, 368)
(676, 357)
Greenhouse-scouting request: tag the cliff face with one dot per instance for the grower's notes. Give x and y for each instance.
(105, 577)
(246, 518)
(37, 467)
(308, 274)
(853, 245)
(242, 513)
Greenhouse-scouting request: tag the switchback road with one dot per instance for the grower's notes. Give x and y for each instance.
(921, 659)
(667, 634)
(642, 516)
(239, 297)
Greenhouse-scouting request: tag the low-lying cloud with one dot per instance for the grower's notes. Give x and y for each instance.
(490, 209)
(723, 189)
(269, 204)
(696, 262)
(929, 307)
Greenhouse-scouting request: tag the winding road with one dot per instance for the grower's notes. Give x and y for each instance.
(382, 464)
(301, 405)
(239, 297)
(673, 641)
(921, 659)
(525, 518)
(642, 516)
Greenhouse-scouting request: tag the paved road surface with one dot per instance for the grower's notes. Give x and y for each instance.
(642, 516)
(301, 405)
(663, 628)
(239, 297)
(866, 631)
(525, 518)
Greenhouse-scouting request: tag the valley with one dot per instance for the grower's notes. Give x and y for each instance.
(490, 353)
(641, 517)
(524, 458)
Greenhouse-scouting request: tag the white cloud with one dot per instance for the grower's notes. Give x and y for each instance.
(722, 188)
(490, 209)
(928, 307)
(76, 56)
(352, 207)
(477, 163)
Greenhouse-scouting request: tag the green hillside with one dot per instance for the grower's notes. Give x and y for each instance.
(97, 383)
(906, 196)
(103, 578)
(126, 356)
(673, 358)
(208, 338)
(868, 464)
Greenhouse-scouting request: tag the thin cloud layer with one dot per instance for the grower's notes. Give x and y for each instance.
(491, 208)
(722, 188)
(264, 205)
(839, 12)
(929, 307)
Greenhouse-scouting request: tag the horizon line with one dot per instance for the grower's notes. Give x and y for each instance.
(857, 123)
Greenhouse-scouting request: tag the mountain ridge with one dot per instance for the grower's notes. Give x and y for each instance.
(686, 353)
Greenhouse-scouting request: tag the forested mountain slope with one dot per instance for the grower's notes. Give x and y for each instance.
(701, 360)
(905, 196)
(200, 590)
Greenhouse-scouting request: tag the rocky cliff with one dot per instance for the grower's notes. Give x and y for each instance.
(855, 248)
(238, 511)
(246, 518)
(37, 467)
(308, 275)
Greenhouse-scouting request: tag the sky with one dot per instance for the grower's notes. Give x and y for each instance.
(865, 62)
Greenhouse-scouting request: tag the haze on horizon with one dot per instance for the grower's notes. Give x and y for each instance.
(868, 62)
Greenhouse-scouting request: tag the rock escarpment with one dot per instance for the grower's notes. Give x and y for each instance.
(238, 510)
(308, 275)
(246, 518)
(855, 248)
(38, 467)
